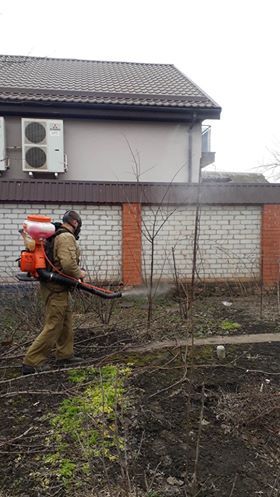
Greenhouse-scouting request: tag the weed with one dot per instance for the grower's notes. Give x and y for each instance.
(82, 375)
(228, 325)
(86, 425)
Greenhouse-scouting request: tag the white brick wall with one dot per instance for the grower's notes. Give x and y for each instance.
(229, 240)
(100, 240)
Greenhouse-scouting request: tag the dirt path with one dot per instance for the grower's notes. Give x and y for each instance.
(215, 340)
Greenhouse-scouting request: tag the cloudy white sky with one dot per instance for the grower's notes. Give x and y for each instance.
(229, 48)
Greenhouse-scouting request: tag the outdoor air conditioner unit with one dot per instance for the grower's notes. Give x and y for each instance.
(42, 146)
(3, 158)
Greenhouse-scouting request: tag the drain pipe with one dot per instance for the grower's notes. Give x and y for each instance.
(190, 148)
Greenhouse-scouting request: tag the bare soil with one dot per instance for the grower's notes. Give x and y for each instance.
(188, 411)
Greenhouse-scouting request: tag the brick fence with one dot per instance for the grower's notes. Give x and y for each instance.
(236, 240)
(116, 240)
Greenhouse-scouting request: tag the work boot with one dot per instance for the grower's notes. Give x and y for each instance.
(27, 369)
(69, 361)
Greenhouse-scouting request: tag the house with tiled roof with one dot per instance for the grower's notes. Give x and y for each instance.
(82, 120)
(124, 144)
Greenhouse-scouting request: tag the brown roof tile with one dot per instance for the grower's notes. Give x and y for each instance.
(35, 79)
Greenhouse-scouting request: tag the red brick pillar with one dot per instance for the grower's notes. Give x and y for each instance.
(131, 244)
(270, 243)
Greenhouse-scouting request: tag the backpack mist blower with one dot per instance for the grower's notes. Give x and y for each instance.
(33, 260)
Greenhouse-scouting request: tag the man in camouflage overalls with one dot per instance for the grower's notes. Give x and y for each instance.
(58, 329)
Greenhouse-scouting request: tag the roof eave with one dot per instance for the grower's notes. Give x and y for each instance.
(108, 111)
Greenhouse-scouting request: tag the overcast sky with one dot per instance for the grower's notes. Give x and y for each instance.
(229, 48)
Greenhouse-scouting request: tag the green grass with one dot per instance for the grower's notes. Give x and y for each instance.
(86, 427)
(228, 325)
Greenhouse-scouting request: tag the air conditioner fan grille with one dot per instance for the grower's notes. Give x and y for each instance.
(35, 157)
(35, 132)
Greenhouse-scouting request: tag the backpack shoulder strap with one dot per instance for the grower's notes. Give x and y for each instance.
(61, 230)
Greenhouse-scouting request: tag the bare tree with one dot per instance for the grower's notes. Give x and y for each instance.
(151, 231)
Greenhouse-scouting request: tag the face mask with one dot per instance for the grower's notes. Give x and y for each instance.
(77, 231)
